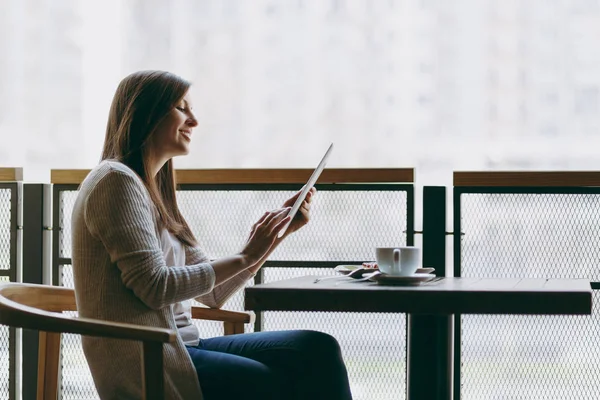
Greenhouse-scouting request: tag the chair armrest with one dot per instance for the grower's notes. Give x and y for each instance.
(49, 298)
(15, 314)
(215, 314)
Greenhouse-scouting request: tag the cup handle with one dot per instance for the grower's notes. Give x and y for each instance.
(397, 268)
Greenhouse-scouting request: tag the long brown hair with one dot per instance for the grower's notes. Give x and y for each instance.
(140, 103)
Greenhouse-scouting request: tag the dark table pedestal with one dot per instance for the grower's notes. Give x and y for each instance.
(430, 372)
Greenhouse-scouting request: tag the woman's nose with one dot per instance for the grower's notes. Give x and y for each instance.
(192, 121)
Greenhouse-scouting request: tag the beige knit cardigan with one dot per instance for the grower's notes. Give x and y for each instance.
(120, 275)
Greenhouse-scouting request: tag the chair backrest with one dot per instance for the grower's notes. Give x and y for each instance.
(535, 224)
(39, 307)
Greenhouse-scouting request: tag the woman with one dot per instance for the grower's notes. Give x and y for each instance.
(136, 260)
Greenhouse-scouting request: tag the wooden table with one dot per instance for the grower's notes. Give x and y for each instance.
(431, 308)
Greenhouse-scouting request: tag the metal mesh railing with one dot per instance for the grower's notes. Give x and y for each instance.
(346, 225)
(5, 356)
(66, 204)
(5, 228)
(533, 235)
(76, 380)
(373, 344)
(8, 251)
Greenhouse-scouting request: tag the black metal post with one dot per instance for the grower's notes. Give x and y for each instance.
(33, 206)
(410, 215)
(430, 342)
(430, 338)
(56, 193)
(258, 322)
(434, 228)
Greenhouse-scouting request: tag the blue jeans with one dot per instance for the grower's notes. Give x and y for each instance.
(297, 364)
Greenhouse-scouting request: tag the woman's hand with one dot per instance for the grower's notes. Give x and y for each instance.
(303, 215)
(263, 237)
(263, 234)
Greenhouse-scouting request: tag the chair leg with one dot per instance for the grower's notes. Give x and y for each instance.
(152, 373)
(48, 365)
(232, 328)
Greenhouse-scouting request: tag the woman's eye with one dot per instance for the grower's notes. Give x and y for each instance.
(182, 109)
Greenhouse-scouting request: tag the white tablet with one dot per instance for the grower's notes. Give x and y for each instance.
(311, 182)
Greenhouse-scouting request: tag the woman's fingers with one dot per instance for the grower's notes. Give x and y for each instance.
(261, 219)
(281, 224)
(257, 223)
(306, 203)
(264, 233)
(306, 206)
(277, 217)
(271, 219)
(308, 197)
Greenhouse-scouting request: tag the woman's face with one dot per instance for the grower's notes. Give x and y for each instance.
(173, 134)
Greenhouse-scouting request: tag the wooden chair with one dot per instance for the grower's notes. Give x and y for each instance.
(40, 307)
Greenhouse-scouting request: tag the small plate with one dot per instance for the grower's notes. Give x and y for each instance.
(412, 280)
(346, 269)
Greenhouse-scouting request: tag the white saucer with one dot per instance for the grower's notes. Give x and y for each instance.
(346, 269)
(411, 280)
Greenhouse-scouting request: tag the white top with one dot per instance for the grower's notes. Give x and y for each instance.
(174, 253)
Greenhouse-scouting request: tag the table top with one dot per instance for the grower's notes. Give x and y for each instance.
(439, 296)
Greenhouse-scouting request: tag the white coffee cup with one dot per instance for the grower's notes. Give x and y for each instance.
(398, 261)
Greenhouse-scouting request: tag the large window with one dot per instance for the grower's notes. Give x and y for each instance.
(434, 84)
